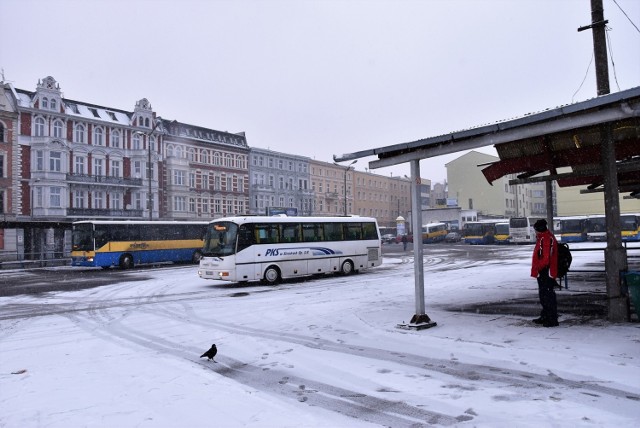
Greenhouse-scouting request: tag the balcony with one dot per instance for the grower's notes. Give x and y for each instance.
(331, 195)
(96, 212)
(103, 179)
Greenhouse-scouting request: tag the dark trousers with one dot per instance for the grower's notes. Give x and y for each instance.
(547, 296)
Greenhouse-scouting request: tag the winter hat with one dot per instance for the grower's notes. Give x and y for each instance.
(540, 225)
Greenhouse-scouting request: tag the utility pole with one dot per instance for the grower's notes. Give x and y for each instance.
(615, 256)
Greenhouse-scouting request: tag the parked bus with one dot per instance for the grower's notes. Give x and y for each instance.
(503, 233)
(433, 232)
(571, 229)
(521, 230)
(630, 227)
(270, 249)
(596, 228)
(127, 243)
(481, 232)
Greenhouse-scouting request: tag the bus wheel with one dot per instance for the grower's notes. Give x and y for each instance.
(126, 261)
(197, 256)
(347, 267)
(272, 275)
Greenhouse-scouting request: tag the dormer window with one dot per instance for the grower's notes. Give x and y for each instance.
(45, 102)
(54, 105)
(95, 112)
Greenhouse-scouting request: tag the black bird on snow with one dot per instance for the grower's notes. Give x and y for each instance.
(210, 353)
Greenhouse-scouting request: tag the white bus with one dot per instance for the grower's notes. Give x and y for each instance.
(269, 249)
(521, 230)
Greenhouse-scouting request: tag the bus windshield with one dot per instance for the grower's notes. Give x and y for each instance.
(220, 239)
(82, 238)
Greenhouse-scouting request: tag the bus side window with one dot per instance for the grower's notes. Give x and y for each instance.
(333, 231)
(370, 231)
(312, 232)
(353, 231)
(246, 237)
(290, 233)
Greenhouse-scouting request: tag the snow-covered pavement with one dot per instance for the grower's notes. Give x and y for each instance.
(315, 353)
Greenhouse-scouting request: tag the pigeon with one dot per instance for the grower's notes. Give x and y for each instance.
(210, 353)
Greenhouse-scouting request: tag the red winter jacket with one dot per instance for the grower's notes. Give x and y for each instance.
(545, 254)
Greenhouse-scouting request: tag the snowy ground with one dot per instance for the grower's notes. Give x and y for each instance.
(322, 352)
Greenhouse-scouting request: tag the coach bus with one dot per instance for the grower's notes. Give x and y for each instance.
(521, 230)
(127, 243)
(571, 229)
(269, 249)
(433, 232)
(630, 227)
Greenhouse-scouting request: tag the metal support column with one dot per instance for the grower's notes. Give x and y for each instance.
(420, 319)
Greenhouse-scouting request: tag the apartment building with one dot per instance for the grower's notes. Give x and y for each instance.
(470, 189)
(382, 197)
(65, 160)
(280, 183)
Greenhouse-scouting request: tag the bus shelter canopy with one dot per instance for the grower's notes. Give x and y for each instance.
(544, 142)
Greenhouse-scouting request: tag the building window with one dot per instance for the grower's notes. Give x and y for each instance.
(45, 102)
(98, 137)
(137, 201)
(79, 165)
(115, 138)
(115, 168)
(79, 199)
(192, 180)
(53, 104)
(205, 180)
(136, 142)
(79, 133)
(55, 161)
(178, 177)
(137, 169)
(98, 167)
(57, 129)
(39, 127)
(116, 201)
(180, 203)
(2, 133)
(98, 200)
(55, 197)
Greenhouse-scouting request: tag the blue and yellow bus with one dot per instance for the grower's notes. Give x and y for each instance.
(481, 232)
(571, 229)
(630, 227)
(122, 243)
(433, 232)
(503, 233)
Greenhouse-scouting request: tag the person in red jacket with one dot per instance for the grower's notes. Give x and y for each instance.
(544, 267)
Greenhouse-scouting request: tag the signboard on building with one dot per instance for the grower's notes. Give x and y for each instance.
(289, 212)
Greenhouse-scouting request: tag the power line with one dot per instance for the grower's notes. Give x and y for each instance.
(625, 14)
(613, 64)
(583, 80)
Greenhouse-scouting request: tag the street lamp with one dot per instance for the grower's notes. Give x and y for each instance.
(157, 123)
(346, 169)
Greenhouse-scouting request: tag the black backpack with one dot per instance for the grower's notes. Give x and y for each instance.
(564, 259)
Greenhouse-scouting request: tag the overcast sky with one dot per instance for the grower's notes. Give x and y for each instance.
(318, 78)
